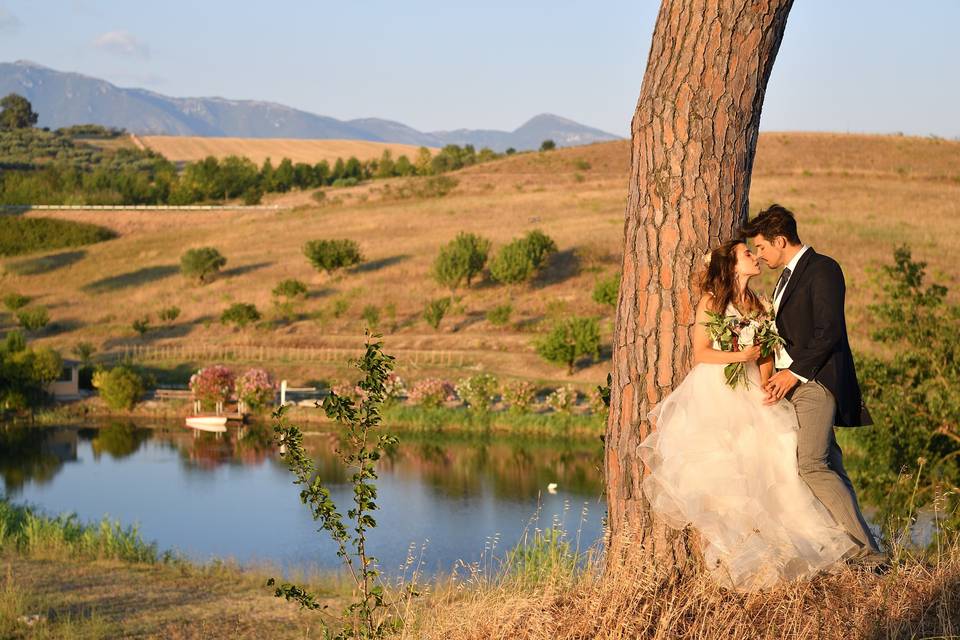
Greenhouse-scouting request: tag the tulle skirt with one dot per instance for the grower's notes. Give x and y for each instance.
(721, 461)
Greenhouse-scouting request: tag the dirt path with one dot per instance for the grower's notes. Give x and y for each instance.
(138, 143)
(141, 601)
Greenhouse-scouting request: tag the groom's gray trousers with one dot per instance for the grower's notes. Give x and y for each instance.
(820, 460)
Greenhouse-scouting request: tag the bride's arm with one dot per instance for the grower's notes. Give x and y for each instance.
(703, 350)
(766, 369)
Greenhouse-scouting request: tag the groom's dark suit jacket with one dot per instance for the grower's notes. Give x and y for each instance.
(811, 321)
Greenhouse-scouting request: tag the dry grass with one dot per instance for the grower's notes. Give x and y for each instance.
(641, 600)
(111, 599)
(190, 148)
(851, 200)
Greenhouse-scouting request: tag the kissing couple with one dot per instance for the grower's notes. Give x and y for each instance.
(755, 468)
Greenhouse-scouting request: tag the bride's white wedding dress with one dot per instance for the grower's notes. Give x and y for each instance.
(721, 461)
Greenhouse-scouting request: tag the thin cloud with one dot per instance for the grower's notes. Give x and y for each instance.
(9, 23)
(122, 43)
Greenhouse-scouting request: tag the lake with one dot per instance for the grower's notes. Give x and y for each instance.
(465, 498)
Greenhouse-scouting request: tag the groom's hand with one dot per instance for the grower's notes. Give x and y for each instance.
(778, 385)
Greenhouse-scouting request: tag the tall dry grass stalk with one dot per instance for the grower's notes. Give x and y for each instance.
(918, 598)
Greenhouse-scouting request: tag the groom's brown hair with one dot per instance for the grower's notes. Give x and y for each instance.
(772, 222)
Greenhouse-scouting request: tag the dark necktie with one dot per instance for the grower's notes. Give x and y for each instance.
(781, 283)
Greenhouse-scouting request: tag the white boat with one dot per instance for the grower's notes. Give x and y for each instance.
(213, 424)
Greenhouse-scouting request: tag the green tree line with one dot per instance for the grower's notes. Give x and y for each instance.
(54, 167)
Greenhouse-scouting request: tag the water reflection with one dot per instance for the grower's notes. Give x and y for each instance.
(33, 455)
(230, 494)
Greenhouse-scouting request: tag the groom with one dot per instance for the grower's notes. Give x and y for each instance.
(815, 369)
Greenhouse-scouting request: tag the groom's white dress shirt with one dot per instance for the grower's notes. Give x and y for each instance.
(782, 359)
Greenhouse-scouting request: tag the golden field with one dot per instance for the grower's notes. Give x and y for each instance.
(856, 198)
(191, 148)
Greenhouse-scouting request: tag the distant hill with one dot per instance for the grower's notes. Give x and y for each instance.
(64, 99)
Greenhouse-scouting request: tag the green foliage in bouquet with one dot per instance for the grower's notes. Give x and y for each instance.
(732, 333)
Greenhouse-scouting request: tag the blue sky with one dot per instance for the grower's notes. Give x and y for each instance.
(845, 65)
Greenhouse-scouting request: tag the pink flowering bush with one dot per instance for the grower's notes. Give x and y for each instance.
(349, 390)
(519, 395)
(563, 399)
(432, 392)
(395, 387)
(255, 388)
(212, 384)
(597, 402)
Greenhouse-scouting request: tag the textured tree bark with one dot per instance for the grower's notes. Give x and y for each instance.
(694, 138)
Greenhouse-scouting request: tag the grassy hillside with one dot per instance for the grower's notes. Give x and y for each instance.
(192, 148)
(856, 197)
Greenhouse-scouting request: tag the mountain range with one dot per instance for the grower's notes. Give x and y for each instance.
(64, 98)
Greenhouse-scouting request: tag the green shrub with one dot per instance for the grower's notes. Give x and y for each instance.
(435, 310)
(479, 391)
(141, 325)
(539, 246)
(120, 387)
(512, 264)
(432, 187)
(500, 315)
(371, 315)
(462, 259)
(435, 187)
(548, 145)
(240, 314)
(345, 182)
(19, 235)
(606, 291)
(252, 196)
(340, 307)
(519, 260)
(15, 301)
(84, 351)
(14, 342)
(581, 164)
(290, 288)
(908, 461)
(286, 295)
(569, 340)
(25, 373)
(169, 314)
(16, 112)
(330, 255)
(201, 264)
(33, 319)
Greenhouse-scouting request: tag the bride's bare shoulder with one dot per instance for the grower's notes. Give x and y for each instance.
(706, 302)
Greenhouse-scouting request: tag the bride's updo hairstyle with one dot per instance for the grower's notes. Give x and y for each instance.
(719, 279)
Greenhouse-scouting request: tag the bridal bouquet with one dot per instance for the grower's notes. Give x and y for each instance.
(732, 333)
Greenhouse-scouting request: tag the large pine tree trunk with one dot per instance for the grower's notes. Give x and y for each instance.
(694, 138)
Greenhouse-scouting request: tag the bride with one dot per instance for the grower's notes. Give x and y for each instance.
(721, 461)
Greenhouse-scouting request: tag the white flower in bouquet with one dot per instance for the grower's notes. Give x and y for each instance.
(748, 334)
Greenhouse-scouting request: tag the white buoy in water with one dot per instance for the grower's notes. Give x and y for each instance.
(552, 487)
